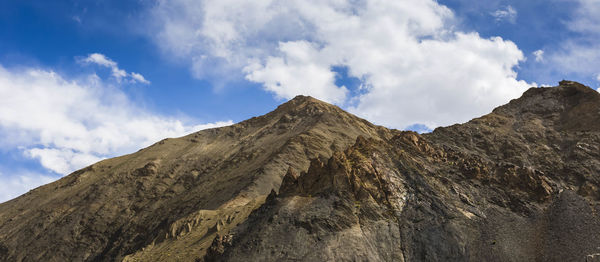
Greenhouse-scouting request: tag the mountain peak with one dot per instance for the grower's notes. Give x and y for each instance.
(565, 88)
(572, 84)
(303, 103)
(570, 103)
(305, 98)
(344, 185)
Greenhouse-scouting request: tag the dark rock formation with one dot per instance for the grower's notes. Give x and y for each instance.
(309, 182)
(519, 184)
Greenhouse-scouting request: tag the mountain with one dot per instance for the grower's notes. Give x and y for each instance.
(168, 201)
(310, 182)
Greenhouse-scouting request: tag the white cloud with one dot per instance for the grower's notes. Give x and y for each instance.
(298, 71)
(14, 185)
(579, 57)
(450, 88)
(586, 19)
(70, 123)
(539, 55)
(507, 14)
(139, 78)
(416, 67)
(62, 160)
(100, 59)
(116, 72)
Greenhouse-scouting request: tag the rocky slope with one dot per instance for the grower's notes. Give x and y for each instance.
(519, 184)
(309, 182)
(167, 202)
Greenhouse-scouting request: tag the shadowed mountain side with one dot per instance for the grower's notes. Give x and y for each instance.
(519, 184)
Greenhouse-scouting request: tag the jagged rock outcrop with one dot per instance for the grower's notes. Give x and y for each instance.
(519, 184)
(309, 182)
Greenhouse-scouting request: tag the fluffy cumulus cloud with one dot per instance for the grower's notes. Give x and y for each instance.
(116, 72)
(299, 70)
(463, 78)
(69, 123)
(414, 65)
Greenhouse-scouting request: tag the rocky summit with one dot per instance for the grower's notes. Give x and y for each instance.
(310, 182)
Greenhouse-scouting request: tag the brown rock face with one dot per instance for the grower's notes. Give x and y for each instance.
(169, 201)
(309, 182)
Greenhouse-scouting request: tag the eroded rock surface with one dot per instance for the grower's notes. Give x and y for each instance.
(519, 184)
(310, 182)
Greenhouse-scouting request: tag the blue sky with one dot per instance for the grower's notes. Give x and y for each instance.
(85, 80)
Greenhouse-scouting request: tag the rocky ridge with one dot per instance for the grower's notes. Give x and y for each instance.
(167, 201)
(519, 184)
(309, 182)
